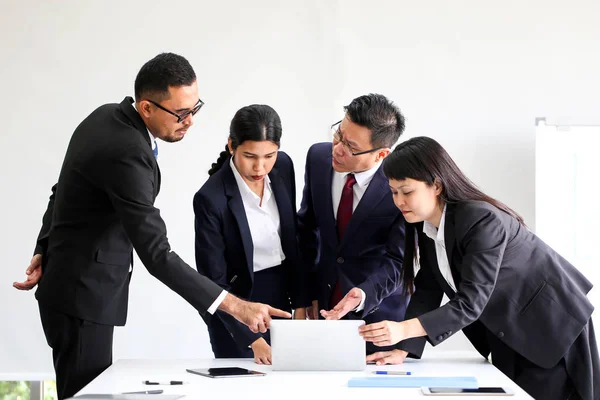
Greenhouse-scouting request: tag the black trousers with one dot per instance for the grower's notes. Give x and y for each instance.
(269, 287)
(576, 376)
(81, 349)
(583, 364)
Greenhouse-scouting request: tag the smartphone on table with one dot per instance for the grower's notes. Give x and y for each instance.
(482, 391)
(225, 372)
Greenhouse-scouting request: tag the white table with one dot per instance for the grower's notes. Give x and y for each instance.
(127, 375)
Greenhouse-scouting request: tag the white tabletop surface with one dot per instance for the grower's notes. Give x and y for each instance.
(127, 375)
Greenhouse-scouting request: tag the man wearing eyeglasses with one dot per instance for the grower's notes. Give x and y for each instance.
(351, 235)
(101, 208)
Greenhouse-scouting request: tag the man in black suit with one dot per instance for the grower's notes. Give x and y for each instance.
(101, 208)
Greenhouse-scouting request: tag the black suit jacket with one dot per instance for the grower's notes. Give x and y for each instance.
(224, 249)
(509, 282)
(101, 207)
(371, 251)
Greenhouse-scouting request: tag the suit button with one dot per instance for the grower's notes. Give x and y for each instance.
(449, 333)
(500, 334)
(439, 338)
(340, 260)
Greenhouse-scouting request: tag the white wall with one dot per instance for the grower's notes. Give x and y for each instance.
(473, 74)
(566, 170)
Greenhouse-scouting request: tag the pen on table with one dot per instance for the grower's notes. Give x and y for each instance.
(163, 383)
(391, 373)
(158, 391)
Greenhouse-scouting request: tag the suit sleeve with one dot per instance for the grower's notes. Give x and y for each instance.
(388, 277)
(42, 241)
(482, 238)
(308, 232)
(210, 261)
(427, 297)
(129, 183)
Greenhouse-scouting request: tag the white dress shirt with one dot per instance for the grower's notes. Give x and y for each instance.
(437, 235)
(263, 221)
(358, 190)
(213, 307)
(417, 260)
(360, 187)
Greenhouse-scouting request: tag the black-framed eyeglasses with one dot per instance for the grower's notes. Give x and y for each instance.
(183, 115)
(339, 138)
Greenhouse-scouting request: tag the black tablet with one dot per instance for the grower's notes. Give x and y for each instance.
(225, 372)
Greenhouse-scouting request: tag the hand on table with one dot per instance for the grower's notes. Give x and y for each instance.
(312, 312)
(300, 313)
(387, 357)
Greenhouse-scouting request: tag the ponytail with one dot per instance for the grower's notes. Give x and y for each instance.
(224, 156)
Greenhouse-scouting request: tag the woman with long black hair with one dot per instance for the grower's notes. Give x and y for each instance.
(512, 295)
(245, 220)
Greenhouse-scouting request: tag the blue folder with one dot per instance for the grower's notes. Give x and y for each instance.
(468, 382)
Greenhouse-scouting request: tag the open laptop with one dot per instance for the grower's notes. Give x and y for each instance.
(317, 345)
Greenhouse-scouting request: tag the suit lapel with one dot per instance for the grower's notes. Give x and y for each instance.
(138, 123)
(236, 206)
(324, 175)
(286, 213)
(427, 246)
(376, 191)
(134, 117)
(450, 241)
(158, 178)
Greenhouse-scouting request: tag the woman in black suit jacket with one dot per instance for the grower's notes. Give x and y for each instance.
(511, 294)
(245, 221)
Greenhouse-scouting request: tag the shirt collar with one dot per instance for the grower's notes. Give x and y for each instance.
(362, 178)
(434, 233)
(245, 189)
(152, 139)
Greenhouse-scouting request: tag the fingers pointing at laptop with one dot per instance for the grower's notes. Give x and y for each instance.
(256, 316)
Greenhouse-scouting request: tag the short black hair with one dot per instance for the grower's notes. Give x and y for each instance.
(378, 114)
(164, 70)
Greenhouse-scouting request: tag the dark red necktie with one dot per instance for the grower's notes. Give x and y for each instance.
(344, 214)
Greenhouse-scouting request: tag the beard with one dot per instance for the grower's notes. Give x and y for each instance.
(174, 137)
